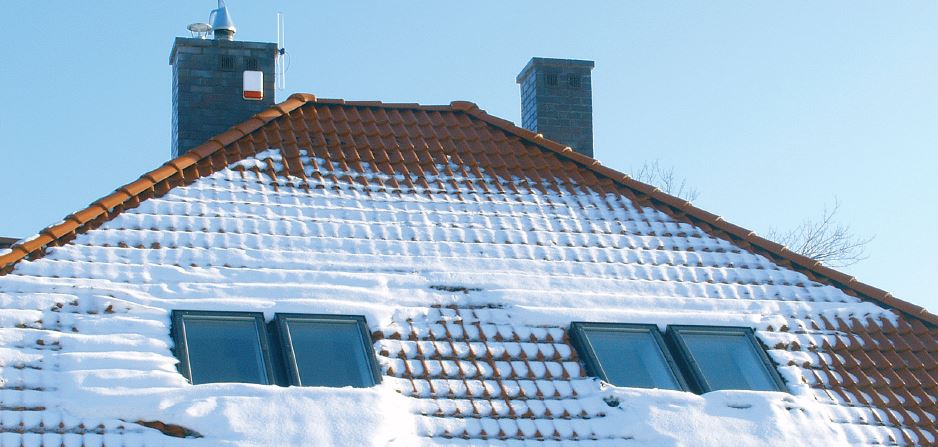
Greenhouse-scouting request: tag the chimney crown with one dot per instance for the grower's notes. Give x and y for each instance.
(557, 101)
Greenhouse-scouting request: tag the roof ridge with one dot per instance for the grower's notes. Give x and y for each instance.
(103, 209)
(388, 105)
(679, 208)
(109, 206)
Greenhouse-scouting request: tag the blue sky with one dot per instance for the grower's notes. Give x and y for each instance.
(771, 110)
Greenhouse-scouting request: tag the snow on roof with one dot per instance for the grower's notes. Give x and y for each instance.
(469, 247)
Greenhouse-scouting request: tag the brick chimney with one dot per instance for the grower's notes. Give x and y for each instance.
(218, 82)
(7, 242)
(557, 101)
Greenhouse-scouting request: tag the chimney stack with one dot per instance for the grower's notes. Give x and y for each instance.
(7, 242)
(557, 101)
(218, 82)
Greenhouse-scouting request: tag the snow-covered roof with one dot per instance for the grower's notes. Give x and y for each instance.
(469, 245)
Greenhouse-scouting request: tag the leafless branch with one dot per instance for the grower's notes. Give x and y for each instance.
(825, 239)
(665, 179)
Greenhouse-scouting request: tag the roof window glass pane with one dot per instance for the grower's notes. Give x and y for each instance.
(626, 355)
(727, 359)
(221, 348)
(328, 351)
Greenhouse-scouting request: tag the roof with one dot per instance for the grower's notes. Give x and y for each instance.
(213, 154)
(470, 244)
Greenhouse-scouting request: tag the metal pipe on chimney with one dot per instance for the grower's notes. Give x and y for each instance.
(222, 25)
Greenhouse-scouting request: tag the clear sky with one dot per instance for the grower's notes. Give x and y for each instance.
(770, 109)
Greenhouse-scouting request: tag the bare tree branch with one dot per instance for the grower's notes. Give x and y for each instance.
(665, 179)
(825, 239)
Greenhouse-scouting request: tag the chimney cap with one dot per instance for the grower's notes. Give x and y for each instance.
(538, 62)
(222, 24)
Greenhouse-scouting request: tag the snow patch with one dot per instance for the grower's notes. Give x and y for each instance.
(257, 161)
(662, 418)
(257, 415)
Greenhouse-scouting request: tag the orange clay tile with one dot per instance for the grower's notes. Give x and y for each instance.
(415, 127)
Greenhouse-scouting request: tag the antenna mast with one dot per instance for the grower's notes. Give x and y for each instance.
(281, 64)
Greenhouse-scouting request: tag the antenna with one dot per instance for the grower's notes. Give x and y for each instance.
(199, 30)
(282, 61)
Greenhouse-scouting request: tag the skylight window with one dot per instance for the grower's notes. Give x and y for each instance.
(222, 347)
(309, 350)
(629, 355)
(327, 350)
(694, 358)
(724, 358)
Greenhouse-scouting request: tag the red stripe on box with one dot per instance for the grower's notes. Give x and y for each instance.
(251, 94)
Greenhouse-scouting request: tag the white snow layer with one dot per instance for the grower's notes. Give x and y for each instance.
(258, 415)
(740, 418)
(85, 330)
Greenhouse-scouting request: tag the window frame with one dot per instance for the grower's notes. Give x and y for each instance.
(592, 363)
(689, 365)
(285, 344)
(181, 347)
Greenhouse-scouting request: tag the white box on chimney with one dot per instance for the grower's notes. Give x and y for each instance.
(253, 85)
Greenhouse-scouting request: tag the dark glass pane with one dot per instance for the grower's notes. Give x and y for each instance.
(224, 350)
(631, 358)
(729, 361)
(330, 353)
